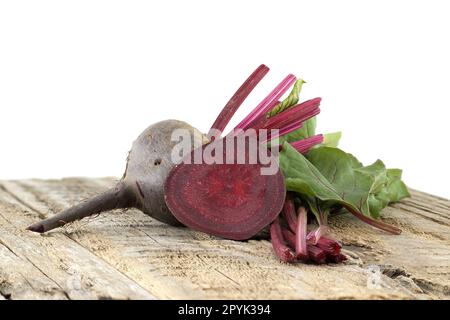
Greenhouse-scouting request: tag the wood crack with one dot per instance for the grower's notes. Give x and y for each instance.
(7, 247)
(50, 278)
(232, 280)
(426, 286)
(108, 263)
(402, 206)
(424, 208)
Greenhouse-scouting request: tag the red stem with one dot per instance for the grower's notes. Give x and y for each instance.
(306, 144)
(278, 243)
(330, 246)
(300, 235)
(299, 113)
(316, 254)
(374, 223)
(289, 214)
(315, 235)
(289, 236)
(267, 103)
(238, 98)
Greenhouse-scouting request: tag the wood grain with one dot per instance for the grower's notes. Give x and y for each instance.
(125, 254)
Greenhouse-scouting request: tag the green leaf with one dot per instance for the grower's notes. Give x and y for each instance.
(329, 178)
(303, 177)
(291, 100)
(396, 188)
(370, 188)
(377, 199)
(378, 172)
(337, 177)
(331, 139)
(388, 187)
(352, 185)
(393, 190)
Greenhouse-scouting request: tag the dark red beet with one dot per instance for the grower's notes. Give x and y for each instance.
(232, 201)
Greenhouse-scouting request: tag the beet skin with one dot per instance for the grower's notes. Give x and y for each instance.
(142, 186)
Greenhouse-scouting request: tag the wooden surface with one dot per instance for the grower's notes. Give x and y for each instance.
(127, 255)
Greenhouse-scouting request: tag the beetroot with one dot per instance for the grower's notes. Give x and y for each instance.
(148, 165)
(236, 200)
(233, 201)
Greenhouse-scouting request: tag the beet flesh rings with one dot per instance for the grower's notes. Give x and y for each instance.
(233, 201)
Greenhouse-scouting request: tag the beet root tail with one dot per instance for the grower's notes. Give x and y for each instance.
(114, 198)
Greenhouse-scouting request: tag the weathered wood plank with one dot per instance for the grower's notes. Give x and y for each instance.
(21, 280)
(419, 256)
(35, 266)
(179, 263)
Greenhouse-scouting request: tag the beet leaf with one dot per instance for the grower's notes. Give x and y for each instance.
(369, 189)
(349, 188)
(331, 139)
(291, 100)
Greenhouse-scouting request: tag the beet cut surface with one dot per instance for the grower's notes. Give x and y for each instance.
(233, 201)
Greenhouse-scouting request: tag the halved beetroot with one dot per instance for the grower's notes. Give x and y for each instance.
(233, 201)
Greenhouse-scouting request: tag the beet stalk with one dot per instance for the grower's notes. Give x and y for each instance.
(278, 243)
(316, 254)
(268, 103)
(289, 236)
(238, 98)
(306, 144)
(314, 236)
(289, 213)
(298, 113)
(300, 235)
(375, 223)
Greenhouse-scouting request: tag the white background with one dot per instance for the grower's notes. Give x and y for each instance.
(79, 80)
